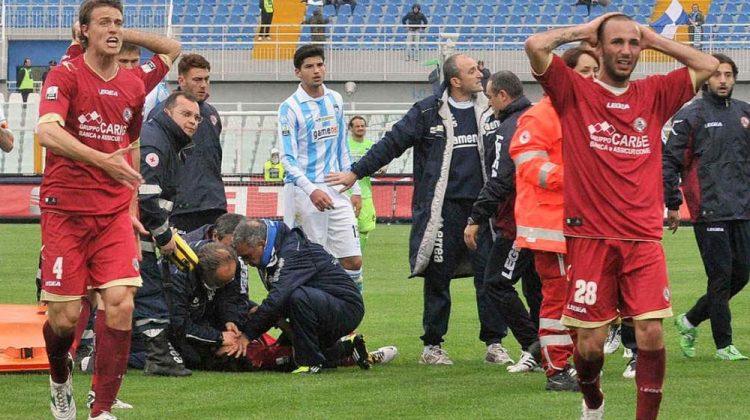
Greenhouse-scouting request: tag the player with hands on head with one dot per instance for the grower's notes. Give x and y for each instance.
(613, 203)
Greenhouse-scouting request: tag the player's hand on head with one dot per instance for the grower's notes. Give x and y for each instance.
(470, 236)
(648, 36)
(321, 200)
(77, 31)
(357, 204)
(116, 166)
(593, 26)
(347, 179)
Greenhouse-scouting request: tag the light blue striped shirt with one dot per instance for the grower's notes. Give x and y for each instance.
(312, 135)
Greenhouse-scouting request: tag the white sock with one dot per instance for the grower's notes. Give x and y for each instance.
(356, 276)
(687, 323)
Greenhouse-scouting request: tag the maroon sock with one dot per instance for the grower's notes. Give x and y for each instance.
(83, 320)
(57, 353)
(588, 379)
(100, 324)
(651, 366)
(112, 349)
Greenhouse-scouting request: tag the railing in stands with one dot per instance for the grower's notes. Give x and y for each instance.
(247, 137)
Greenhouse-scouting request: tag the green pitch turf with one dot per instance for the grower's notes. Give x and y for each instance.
(703, 388)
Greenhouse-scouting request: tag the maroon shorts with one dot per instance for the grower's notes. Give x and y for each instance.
(86, 251)
(611, 278)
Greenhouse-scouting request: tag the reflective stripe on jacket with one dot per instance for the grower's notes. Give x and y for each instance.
(536, 150)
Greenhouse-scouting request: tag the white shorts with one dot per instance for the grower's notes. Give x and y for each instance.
(335, 229)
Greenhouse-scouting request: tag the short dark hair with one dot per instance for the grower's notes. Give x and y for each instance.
(227, 223)
(87, 7)
(600, 29)
(128, 47)
(211, 257)
(172, 98)
(450, 69)
(307, 51)
(250, 232)
(725, 59)
(507, 81)
(192, 61)
(571, 56)
(357, 117)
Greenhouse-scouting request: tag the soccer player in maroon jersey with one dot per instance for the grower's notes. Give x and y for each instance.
(90, 120)
(613, 193)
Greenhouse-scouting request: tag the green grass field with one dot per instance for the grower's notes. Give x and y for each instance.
(703, 388)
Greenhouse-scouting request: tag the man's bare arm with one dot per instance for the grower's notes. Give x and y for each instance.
(156, 43)
(539, 46)
(60, 142)
(701, 65)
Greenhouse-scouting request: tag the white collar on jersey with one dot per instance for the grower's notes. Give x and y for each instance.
(302, 96)
(460, 105)
(613, 89)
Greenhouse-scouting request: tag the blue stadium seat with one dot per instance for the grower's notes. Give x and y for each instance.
(468, 20)
(516, 19)
(501, 19)
(374, 20)
(190, 20)
(220, 19)
(518, 10)
(235, 19)
(204, 19)
(743, 18)
(222, 9)
(547, 19)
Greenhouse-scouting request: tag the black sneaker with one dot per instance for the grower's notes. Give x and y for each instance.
(564, 380)
(360, 354)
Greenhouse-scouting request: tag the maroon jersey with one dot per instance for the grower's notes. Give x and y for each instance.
(102, 114)
(612, 150)
(152, 72)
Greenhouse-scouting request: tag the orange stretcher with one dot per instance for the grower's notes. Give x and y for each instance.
(21, 341)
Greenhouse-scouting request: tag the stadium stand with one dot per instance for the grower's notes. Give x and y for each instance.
(368, 44)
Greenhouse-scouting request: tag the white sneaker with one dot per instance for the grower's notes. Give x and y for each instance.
(497, 354)
(104, 415)
(117, 404)
(383, 355)
(590, 413)
(629, 372)
(526, 363)
(434, 355)
(627, 353)
(61, 403)
(614, 338)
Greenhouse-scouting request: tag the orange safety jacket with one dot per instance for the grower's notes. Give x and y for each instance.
(536, 150)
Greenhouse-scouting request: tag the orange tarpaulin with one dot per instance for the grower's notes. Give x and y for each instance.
(21, 342)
